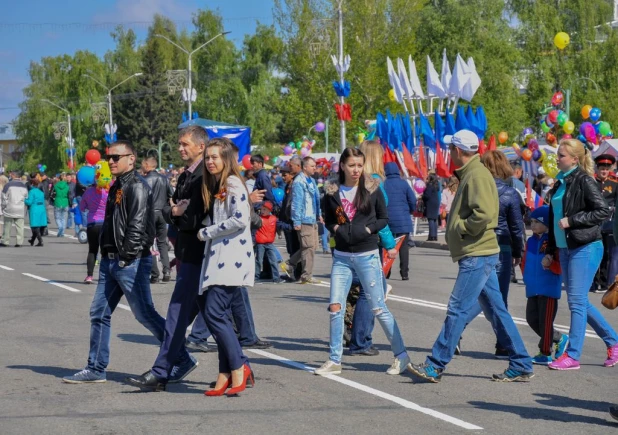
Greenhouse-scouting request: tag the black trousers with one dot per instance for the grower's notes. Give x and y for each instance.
(404, 255)
(161, 228)
(93, 231)
(36, 234)
(540, 315)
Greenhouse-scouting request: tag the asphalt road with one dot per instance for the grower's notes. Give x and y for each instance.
(44, 335)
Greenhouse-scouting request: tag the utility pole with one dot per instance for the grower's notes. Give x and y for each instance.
(112, 130)
(189, 93)
(341, 71)
(70, 139)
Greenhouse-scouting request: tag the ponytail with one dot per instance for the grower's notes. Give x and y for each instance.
(580, 151)
(587, 164)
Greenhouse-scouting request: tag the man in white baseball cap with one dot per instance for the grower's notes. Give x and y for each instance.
(465, 140)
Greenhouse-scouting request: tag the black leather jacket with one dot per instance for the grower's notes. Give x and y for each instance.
(585, 207)
(510, 229)
(129, 204)
(161, 189)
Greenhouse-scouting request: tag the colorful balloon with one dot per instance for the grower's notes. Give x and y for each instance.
(586, 111)
(550, 138)
(562, 118)
(543, 155)
(391, 95)
(526, 154)
(595, 114)
(287, 150)
(533, 144)
(568, 127)
(102, 175)
(545, 127)
(266, 158)
(550, 165)
(527, 131)
(561, 40)
(553, 116)
(566, 136)
(246, 161)
(278, 194)
(92, 157)
(419, 186)
(503, 136)
(85, 175)
(557, 99)
(320, 127)
(516, 148)
(536, 155)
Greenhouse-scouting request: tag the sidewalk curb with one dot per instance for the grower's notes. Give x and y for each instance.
(431, 245)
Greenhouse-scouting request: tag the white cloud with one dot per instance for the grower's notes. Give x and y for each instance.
(144, 10)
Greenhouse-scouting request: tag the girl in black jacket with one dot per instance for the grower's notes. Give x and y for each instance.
(577, 210)
(355, 210)
(431, 200)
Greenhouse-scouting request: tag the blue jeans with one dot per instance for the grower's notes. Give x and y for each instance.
(60, 215)
(477, 281)
(269, 250)
(503, 271)
(433, 227)
(69, 220)
(362, 324)
(578, 269)
(243, 318)
(133, 282)
(368, 268)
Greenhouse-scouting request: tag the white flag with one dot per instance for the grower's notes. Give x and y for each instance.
(414, 81)
(403, 77)
(473, 82)
(446, 73)
(434, 85)
(461, 75)
(395, 82)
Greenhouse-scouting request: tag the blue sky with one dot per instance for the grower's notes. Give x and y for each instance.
(30, 30)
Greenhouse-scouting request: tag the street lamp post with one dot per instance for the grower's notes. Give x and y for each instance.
(190, 54)
(341, 71)
(109, 97)
(69, 127)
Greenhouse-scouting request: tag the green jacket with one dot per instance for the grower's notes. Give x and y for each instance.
(62, 194)
(474, 213)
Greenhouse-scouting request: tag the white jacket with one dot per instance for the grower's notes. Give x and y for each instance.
(228, 255)
(13, 196)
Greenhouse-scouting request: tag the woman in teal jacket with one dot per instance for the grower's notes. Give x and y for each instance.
(37, 211)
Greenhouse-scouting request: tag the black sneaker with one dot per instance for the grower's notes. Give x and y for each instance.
(166, 277)
(501, 354)
(613, 412)
(511, 375)
(370, 351)
(181, 371)
(426, 371)
(200, 347)
(258, 345)
(458, 348)
(154, 280)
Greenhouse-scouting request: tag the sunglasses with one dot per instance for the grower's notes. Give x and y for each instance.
(116, 157)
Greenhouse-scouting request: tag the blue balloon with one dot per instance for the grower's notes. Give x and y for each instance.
(595, 114)
(581, 138)
(85, 175)
(278, 194)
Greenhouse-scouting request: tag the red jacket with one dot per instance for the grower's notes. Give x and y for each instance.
(266, 234)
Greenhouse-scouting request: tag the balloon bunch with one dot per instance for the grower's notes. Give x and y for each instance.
(41, 168)
(532, 152)
(593, 131)
(554, 117)
(302, 147)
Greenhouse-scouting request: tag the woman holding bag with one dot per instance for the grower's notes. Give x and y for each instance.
(577, 210)
(228, 259)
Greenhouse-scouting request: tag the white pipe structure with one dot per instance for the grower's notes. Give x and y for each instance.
(190, 54)
(69, 127)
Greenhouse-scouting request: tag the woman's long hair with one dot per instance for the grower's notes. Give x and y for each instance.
(432, 180)
(497, 163)
(229, 156)
(362, 200)
(374, 158)
(581, 152)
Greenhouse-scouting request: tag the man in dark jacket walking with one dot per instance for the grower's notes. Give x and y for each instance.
(401, 204)
(262, 180)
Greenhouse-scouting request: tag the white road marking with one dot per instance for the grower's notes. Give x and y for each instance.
(5, 267)
(398, 400)
(49, 281)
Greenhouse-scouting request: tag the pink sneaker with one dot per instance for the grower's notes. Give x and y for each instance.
(88, 280)
(612, 356)
(565, 362)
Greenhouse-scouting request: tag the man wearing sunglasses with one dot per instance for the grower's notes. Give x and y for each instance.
(126, 237)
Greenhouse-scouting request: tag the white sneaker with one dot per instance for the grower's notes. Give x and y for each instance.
(399, 365)
(329, 368)
(389, 289)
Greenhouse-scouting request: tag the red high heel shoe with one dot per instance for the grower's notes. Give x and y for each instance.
(247, 374)
(220, 391)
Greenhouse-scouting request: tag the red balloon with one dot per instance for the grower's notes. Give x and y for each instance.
(70, 164)
(92, 157)
(557, 99)
(550, 138)
(246, 161)
(553, 116)
(567, 136)
(266, 158)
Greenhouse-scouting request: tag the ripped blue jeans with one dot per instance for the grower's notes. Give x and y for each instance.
(368, 269)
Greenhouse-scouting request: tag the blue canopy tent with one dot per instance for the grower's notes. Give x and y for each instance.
(238, 134)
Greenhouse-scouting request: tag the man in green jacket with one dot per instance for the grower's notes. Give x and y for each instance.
(61, 204)
(473, 245)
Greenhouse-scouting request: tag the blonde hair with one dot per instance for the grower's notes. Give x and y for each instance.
(497, 164)
(374, 154)
(578, 150)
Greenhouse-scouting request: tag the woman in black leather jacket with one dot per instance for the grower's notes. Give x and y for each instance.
(510, 231)
(577, 210)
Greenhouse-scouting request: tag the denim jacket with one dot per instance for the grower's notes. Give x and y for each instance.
(305, 200)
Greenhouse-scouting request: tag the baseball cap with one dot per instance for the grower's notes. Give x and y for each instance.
(465, 140)
(268, 205)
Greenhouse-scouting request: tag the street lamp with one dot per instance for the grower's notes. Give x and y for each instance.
(190, 54)
(69, 127)
(109, 97)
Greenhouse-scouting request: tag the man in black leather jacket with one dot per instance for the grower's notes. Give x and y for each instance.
(126, 237)
(161, 195)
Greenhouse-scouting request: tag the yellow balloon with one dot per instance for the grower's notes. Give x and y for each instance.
(561, 40)
(568, 127)
(550, 165)
(391, 95)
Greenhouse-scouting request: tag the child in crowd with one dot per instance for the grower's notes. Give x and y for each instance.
(77, 216)
(543, 287)
(264, 242)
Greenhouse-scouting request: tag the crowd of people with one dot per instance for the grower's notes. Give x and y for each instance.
(222, 226)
